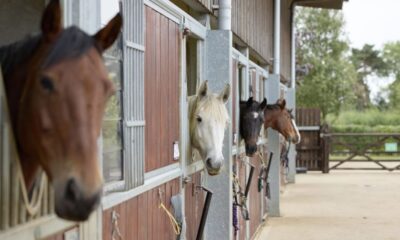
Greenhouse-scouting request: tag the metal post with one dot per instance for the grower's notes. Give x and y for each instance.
(273, 90)
(291, 101)
(204, 213)
(219, 72)
(274, 146)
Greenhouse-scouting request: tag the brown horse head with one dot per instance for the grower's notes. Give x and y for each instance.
(251, 120)
(281, 119)
(57, 87)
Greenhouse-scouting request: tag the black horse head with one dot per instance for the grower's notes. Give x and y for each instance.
(251, 120)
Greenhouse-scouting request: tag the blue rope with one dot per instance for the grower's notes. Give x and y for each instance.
(235, 219)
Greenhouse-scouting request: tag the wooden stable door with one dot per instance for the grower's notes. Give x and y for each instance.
(161, 89)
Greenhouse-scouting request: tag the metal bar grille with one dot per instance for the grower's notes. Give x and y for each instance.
(133, 95)
(12, 208)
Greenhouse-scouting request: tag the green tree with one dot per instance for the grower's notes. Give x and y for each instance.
(321, 52)
(367, 61)
(391, 56)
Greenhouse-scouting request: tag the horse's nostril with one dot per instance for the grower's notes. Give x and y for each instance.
(208, 163)
(71, 190)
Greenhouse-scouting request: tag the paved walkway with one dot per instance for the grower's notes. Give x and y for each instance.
(338, 206)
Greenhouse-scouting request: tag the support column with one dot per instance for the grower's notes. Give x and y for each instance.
(219, 72)
(273, 89)
(291, 94)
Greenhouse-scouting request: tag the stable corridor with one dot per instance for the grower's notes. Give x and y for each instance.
(338, 206)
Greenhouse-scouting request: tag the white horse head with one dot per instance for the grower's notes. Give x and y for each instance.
(208, 118)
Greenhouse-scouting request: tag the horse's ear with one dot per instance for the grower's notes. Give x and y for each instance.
(263, 105)
(224, 95)
(203, 89)
(281, 103)
(51, 24)
(106, 36)
(249, 101)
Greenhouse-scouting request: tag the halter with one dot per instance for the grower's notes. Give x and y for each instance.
(263, 176)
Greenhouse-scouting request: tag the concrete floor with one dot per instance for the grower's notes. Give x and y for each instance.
(338, 206)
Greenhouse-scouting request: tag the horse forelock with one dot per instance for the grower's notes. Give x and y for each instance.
(71, 43)
(211, 106)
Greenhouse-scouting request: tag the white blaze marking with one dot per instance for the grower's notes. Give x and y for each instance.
(297, 130)
(255, 115)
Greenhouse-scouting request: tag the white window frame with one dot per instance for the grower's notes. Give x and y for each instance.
(119, 185)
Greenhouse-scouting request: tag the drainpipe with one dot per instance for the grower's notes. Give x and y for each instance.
(293, 48)
(291, 96)
(224, 14)
(277, 37)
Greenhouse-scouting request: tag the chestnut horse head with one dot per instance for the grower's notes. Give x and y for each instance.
(251, 120)
(281, 119)
(208, 118)
(57, 87)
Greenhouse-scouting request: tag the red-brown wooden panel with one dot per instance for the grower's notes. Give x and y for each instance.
(241, 174)
(255, 197)
(149, 74)
(161, 89)
(141, 218)
(194, 202)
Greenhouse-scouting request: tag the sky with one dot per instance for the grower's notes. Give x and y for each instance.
(374, 22)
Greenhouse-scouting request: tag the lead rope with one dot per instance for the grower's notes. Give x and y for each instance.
(32, 206)
(236, 189)
(174, 223)
(286, 160)
(235, 219)
(115, 227)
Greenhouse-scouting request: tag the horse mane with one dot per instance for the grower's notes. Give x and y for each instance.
(273, 107)
(253, 107)
(277, 107)
(15, 53)
(71, 43)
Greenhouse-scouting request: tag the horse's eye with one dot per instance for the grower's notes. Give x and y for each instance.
(199, 119)
(47, 84)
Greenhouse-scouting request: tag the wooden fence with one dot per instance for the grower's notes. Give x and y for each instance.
(312, 150)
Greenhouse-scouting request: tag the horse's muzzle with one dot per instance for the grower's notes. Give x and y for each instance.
(251, 150)
(213, 168)
(74, 205)
(296, 140)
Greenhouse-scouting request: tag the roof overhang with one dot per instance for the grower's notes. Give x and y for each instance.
(328, 4)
